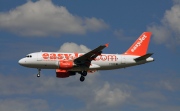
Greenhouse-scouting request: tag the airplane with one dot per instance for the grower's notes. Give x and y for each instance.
(70, 64)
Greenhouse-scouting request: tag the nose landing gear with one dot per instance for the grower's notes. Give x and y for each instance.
(39, 73)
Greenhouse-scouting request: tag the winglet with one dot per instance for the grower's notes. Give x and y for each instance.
(140, 46)
(107, 44)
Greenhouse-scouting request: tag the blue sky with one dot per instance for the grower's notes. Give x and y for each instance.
(78, 25)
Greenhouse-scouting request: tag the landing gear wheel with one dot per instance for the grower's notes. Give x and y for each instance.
(84, 73)
(82, 78)
(38, 75)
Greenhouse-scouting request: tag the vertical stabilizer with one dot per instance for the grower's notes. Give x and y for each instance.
(140, 46)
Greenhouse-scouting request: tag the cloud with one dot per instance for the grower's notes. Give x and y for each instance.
(93, 92)
(109, 95)
(73, 47)
(168, 32)
(43, 18)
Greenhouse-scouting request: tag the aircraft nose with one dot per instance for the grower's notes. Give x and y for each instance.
(21, 61)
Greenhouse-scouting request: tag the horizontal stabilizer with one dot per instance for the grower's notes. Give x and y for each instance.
(144, 57)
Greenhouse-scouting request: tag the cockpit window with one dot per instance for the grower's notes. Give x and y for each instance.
(28, 56)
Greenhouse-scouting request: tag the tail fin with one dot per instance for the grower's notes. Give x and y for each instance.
(140, 46)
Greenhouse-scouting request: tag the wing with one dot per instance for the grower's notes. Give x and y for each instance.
(88, 57)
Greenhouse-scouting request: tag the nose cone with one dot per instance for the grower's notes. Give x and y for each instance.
(21, 62)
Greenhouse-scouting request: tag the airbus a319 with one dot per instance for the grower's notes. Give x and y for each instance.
(70, 64)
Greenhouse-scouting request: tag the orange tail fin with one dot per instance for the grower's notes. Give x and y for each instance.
(140, 46)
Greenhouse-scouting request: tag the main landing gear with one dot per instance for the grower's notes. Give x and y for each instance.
(83, 74)
(39, 73)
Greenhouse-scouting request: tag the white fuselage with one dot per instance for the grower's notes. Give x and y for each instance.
(50, 60)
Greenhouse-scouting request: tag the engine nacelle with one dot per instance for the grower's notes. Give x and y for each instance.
(64, 73)
(65, 64)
